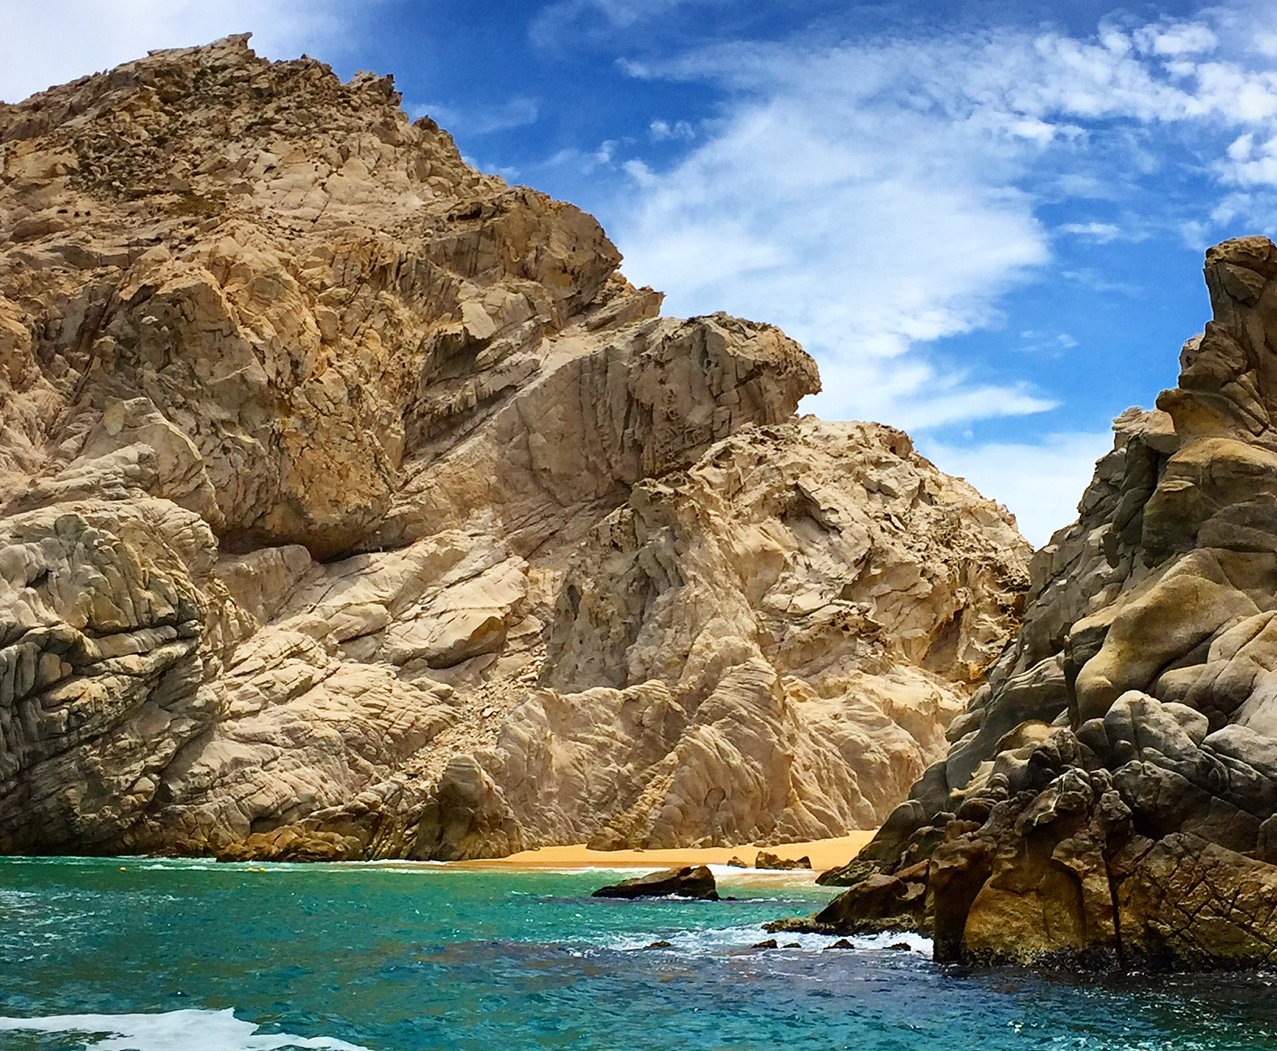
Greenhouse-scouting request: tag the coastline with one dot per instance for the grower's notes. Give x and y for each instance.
(824, 854)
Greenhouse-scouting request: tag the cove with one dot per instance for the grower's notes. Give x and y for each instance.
(129, 954)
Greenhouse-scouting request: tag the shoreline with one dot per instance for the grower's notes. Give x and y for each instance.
(824, 854)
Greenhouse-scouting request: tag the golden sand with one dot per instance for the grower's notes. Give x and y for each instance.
(824, 854)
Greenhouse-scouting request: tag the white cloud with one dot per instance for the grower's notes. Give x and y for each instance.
(1181, 38)
(876, 196)
(47, 43)
(1265, 43)
(1250, 163)
(562, 20)
(619, 13)
(507, 172)
(853, 219)
(1040, 483)
(915, 395)
(1101, 233)
(1046, 344)
(851, 216)
(664, 131)
(1096, 281)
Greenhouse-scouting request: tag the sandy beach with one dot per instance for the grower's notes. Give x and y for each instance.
(824, 854)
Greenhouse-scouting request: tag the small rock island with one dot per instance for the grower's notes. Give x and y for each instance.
(689, 881)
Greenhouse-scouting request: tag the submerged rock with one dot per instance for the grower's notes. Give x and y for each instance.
(349, 492)
(690, 881)
(1110, 797)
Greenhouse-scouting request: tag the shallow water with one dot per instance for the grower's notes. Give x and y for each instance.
(141, 955)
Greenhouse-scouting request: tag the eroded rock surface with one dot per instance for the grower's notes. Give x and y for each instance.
(1111, 794)
(354, 505)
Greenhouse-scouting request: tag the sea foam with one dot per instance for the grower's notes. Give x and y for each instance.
(726, 940)
(189, 1030)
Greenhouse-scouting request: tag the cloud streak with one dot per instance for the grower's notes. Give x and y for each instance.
(564, 19)
(517, 112)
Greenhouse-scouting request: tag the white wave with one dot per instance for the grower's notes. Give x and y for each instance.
(888, 939)
(734, 939)
(803, 876)
(178, 865)
(191, 1030)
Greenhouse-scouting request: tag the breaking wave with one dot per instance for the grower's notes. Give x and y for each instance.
(189, 1030)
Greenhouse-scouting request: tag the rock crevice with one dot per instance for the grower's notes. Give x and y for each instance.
(353, 504)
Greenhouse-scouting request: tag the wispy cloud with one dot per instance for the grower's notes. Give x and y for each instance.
(874, 197)
(838, 203)
(58, 40)
(1095, 281)
(603, 156)
(665, 131)
(1101, 233)
(566, 19)
(1046, 344)
(482, 119)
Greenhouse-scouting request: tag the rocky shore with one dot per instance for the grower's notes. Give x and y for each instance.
(1110, 796)
(354, 505)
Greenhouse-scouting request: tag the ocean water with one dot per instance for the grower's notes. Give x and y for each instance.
(149, 955)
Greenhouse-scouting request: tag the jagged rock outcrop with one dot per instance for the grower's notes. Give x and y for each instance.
(353, 505)
(1111, 794)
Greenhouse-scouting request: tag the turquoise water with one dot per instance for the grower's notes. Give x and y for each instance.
(193, 956)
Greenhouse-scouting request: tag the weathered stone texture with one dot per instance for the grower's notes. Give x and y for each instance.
(1111, 794)
(353, 504)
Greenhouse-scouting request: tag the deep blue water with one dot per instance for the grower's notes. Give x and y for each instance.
(142, 955)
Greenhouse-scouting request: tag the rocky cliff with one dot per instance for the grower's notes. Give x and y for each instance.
(354, 504)
(1111, 794)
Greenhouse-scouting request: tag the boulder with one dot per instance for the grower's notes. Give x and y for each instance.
(767, 860)
(690, 881)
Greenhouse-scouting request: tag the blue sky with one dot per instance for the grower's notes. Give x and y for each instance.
(984, 219)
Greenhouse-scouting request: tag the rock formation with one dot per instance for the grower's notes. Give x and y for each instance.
(1111, 793)
(690, 881)
(352, 504)
(767, 860)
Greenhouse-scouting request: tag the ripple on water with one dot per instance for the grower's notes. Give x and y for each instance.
(151, 954)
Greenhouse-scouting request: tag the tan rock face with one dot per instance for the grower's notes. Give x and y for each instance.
(765, 645)
(355, 505)
(1111, 794)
